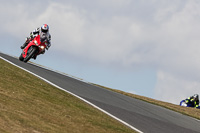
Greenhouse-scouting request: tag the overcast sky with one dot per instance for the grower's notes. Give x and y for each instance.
(146, 47)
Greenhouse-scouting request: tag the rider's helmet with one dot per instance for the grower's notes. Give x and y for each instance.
(196, 96)
(45, 28)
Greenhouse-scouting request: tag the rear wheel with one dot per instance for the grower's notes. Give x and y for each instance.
(30, 54)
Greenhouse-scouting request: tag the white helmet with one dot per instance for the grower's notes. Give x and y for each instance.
(196, 96)
(45, 28)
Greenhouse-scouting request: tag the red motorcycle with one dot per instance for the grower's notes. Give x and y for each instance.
(35, 47)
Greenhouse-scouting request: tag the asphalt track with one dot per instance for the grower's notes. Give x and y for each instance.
(144, 116)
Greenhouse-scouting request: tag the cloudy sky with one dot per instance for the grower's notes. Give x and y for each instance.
(146, 47)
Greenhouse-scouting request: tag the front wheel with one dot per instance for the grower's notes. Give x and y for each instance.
(31, 52)
(21, 58)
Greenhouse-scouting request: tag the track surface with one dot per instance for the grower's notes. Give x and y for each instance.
(144, 116)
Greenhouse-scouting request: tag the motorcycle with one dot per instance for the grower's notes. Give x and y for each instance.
(184, 104)
(35, 47)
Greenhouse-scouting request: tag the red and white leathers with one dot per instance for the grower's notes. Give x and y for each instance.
(43, 32)
(38, 31)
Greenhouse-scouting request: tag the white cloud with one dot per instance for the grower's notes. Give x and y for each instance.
(174, 88)
(114, 3)
(123, 36)
(179, 53)
(86, 36)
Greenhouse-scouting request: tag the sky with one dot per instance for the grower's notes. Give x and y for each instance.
(146, 47)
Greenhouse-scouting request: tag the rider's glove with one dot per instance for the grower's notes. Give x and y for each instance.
(186, 101)
(31, 35)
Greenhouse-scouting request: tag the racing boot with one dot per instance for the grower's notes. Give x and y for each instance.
(34, 57)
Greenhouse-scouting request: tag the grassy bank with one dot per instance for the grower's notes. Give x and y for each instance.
(30, 105)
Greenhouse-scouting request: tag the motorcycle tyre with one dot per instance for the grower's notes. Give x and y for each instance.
(31, 54)
(21, 58)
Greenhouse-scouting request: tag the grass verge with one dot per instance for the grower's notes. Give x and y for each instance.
(28, 104)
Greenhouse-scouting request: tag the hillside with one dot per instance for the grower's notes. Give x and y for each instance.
(28, 104)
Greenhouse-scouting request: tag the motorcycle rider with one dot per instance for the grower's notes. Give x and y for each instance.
(193, 101)
(42, 31)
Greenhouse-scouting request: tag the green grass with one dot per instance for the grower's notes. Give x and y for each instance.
(30, 105)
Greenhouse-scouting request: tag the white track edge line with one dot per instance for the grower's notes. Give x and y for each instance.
(75, 96)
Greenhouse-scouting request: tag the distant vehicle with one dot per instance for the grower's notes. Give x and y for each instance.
(183, 103)
(192, 101)
(35, 47)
